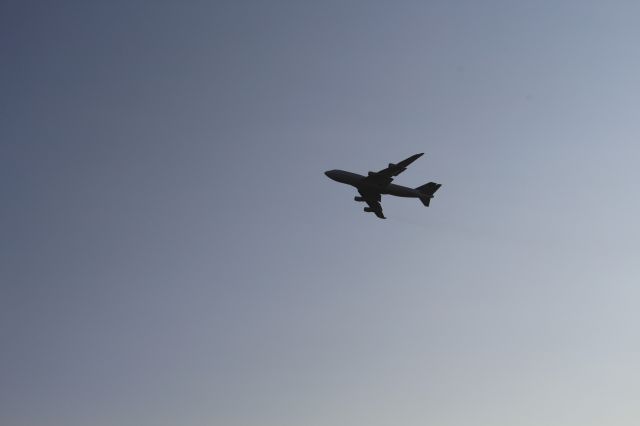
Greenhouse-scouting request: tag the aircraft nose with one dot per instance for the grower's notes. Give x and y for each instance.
(328, 173)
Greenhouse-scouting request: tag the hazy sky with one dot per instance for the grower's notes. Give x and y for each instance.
(172, 254)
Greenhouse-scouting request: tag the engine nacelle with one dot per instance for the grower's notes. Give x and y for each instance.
(358, 199)
(391, 165)
(368, 209)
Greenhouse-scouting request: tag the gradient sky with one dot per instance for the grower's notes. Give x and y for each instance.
(172, 254)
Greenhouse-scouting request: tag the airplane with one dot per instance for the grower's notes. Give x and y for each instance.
(375, 184)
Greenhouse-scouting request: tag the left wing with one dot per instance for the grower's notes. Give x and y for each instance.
(373, 200)
(385, 176)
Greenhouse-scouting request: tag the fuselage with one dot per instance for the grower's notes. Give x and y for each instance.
(359, 182)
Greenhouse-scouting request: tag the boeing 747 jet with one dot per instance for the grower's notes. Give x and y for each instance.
(375, 184)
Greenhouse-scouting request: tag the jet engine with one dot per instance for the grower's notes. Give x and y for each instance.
(391, 165)
(358, 199)
(368, 209)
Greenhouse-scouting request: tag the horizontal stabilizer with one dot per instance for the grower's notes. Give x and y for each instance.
(427, 190)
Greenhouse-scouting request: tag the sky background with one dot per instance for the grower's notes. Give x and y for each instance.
(172, 254)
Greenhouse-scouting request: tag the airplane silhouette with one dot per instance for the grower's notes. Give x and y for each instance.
(372, 186)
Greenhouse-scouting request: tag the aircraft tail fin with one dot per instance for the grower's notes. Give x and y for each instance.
(427, 190)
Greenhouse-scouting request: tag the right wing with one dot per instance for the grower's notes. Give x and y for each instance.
(373, 200)
(385, 176)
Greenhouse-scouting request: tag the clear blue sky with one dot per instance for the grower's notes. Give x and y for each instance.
(171, 252)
